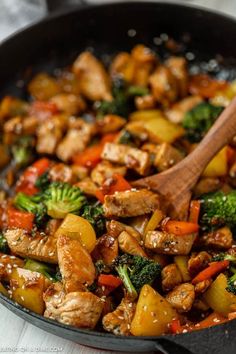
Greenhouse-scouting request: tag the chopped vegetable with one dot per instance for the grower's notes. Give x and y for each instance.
(205, 86)
(43, 181)
(32, 204)
(180, 227)
(39, 267)
(3, 244)
(62, 198)
(218, 166)
(154, 221)
(162, 130)
(22, 151)
(109, 281)
(231, 284)
(20, 219)
(213, 269)
(117, 183)
(182, 264)
(194, 212)
(95, 215)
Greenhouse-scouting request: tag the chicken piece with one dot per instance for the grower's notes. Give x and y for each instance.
(61, 172)
(52, 226)
(133, 158)
(7, 264)
(114, 228)
(178, 67)
(49, 134)
(144, 61)
(221, 239)
(12, 129)
(166, 157)
(110, 123)
(182, 297)
(123, 65)
(75, 263)
(29, 125)
(202, 286)
(171, 277)
(87, 186)
(43, 86)
(200, 305)
(129, 244)
(106, 249)
(79, 309)
(41, 247)
(131, 203)
(164, 87)
(197, 262)
(207, 185)
(138, 130)
(105, 170)
(165, 243)
(69, 103)
(177, 112)
(93, 79)
(76, 139)
(145, 102)
(80, 172)
(118, 322)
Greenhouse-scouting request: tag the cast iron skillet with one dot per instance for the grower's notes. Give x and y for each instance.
(55, 42)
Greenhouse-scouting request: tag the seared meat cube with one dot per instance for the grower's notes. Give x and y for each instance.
(41, 247)
(129, 244)
(7, 264)
(49, 134)
(75, 264)
(125, 155)
(221, 239)
(144, 61)
(69, 103)
(165, 243)
(87, 186)
(118, 322)
(198, 262)
(110, 123)
(12, 129)
(177, 112)
(76, 139)
(94, 81)
(114, 228)
(178, 67)
(164, 86)
(145, 102)
(202, 286)
(79, 309)
(123, 65)
(167, 156)
(171, 277)
(105, 170)
(106, 249)
(61, 172)
(206, 185)
(182, 297)
(131, 203)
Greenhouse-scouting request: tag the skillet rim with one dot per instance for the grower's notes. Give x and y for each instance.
(61, 13)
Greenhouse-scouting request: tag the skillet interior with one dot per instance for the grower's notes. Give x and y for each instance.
(54, 43)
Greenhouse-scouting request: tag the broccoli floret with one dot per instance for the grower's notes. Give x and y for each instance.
(32, 204)
(95, 215)
(134, 90)
(43, 181)
(22, 151)
(218, 209)
(136, 271)
(62, 198)
(199, 120)
(224, 257)
(42, 268)
(127, 138)
(3, 244)
(101, 267)
(231, 284)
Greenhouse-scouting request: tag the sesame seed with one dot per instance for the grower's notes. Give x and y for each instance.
(4, 256)
(14, 243)
(51, 253)
(1, 265)
(185, 330)
(128, 326)
(216, 320)
(12, 257)
(154, 321)
(153, 314)
(145, 307)
(22, 298)
(121, 318)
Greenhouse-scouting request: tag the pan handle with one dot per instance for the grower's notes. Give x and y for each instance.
(60, 5)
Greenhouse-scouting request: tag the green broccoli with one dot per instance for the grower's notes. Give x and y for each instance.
(218, 209)
(61, 198)
(33, 204)
(101, 267)
(127, 138)
(3, 244)
(224, 257)
(43, 181)
(95, 215)
(199, 120)
(231, 283)
(135, 90)
(22, 151)
(136, 271)
(42, 268)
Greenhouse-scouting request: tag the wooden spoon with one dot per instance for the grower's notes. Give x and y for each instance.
(175, 184)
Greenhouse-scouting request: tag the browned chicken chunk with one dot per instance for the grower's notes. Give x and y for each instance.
(106, 249)
(87, 186)
(79, 309)
(75, 264)
(198, 261)
(162, 242)
(118, 322)
(178, 67)
(131, 203)
(171, 277)
(105, 170)
(166, 157)
(69, 103)
(110, 123)
(177, 112)
(129, 244)
(125, 155)
(182, 297)
(61, 172)
(41, 247)
(221, 239)
(114, 228)
(94, 81)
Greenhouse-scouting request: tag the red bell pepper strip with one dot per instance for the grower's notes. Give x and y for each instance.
(195, 206)
(109, 280)
(117, 183)
(175, 326)
(43, 110)
(213, 269)
(180, 227)
(20, 219)
(205, 86)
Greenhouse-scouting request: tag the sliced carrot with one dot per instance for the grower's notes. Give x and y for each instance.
(43, 110)
(175, 326)
(20, 219)
(109, 280)
(205, 86)
(213, 269)
(211, 320)
(180, 227)
(117, 183)
(232, 316)
(230, 155)
(194, 212)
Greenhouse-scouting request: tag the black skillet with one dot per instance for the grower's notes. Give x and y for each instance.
(54, 43)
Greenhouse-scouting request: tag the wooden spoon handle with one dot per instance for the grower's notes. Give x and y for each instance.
(221, 133)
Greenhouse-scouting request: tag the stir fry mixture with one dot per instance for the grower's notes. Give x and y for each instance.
(78, 243)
